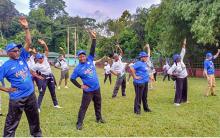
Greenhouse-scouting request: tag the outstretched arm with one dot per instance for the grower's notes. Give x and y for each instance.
(93, 37)
(217, 54)
(183, 51)
(63, 52)
(22, 20)
(147, 49)
(42, 43)
(121, 52)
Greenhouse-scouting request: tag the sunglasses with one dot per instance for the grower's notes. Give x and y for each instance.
(14, 51)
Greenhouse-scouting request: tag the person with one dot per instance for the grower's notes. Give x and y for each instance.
(178, 69)
(209, 71)
(3, 85)
(150, 66)
(118, 69)
(42, 67)
(91, 88)
(21, 92)
(140, 80)
(107, 69)
(166, 67)
(62, 64)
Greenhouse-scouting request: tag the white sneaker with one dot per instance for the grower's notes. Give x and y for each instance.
(58, 87)
(176, 104)
(57, 106)
(38, 110)
(66, 87)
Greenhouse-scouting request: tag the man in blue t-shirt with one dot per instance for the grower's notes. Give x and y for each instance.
(140, 74)
(91, 89)
(21, 93)
(209, 71)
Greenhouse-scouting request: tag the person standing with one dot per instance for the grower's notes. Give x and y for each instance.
(42, 67)
(140, 75)
(91, 88)
(21, 93)
(62, 64)
(166, 67)
(118, 69)
(178, 70)
(107, 69)
(209, 71)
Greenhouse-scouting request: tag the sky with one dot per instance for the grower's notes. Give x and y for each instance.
(98, 9)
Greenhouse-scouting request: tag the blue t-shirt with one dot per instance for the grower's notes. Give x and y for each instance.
(18, 74)
(141, 71)
(87, 72)
(209, 66)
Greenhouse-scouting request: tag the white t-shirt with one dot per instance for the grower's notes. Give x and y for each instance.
(107, 69)
(44, 68)
(31, 62)
(119, 66)
(62, 64)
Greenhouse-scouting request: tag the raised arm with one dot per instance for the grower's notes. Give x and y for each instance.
(100, 59)
(93, 37)
(217, 54)
(63, 52)
(121, 52)
(147, 49)
(22, 20)
(183, 51)
(42, 43)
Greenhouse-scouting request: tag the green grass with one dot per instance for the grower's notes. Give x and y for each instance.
(201, 117)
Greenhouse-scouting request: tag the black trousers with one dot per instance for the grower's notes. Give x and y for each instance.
(110, 78)
(86, 99)
(181, 90)
(121, 81)
(155, 76)
(166, 75)
(141, 91)
(15, 110)
(42, 85)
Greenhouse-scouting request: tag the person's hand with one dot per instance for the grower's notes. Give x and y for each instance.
(218, 50)
(10, 89)
(40, 77)
(61, 48)
(22, 20)
(41, 42)
(84, 87)
(137, 77)
(217, 44)
(184, 41)
(92, 34)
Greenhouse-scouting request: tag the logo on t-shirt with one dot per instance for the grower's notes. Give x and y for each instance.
(22, 73)
(21, 63)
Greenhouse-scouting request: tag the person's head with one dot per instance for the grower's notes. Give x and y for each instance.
(61, 57)
(13, 50)
(209, 56)
(82, 56)
(39, 58)
(176, 58)
(143, 56)
(116, 57)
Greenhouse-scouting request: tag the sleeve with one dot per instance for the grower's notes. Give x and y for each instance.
(92, 49)
(74, 75)
(34, 67)
(205, 65)
(90, 58)
(24, 54)
(2, 73)
(57, 64)
(172, 69)
(182, 54)
(135, 66)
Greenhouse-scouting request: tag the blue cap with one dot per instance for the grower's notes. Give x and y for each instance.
(39, 56)
(208, 54)
(176, 57)
(142, 54)
(81, 52)
(10, 46)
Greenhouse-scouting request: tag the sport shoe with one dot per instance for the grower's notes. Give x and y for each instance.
(147, 110)
(176, 104)
(57, 106)
(101, 121)
(58, 87)
(113, 96)
(38, 110)
(79, 126)
(66, 87)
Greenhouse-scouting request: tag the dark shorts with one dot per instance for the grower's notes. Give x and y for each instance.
(64, 74)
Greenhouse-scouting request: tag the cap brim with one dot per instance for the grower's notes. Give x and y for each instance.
(19, 46)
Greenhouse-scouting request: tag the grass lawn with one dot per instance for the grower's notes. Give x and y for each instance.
(201, 117)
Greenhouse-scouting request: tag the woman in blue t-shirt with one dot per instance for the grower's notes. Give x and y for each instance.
(141, 78)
